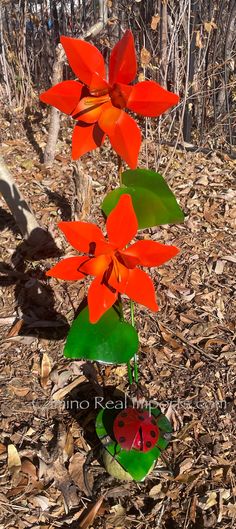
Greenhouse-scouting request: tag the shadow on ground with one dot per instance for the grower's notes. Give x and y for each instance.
(35, 300)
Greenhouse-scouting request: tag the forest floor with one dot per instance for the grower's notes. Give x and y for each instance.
(187, 351)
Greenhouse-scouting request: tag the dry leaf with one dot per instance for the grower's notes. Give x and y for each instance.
(219, 268)
(28, 468)
(155, 21)
(225, 494)
(27, 164)
(69, 446)
(173, 494)
(217, 475)
(7, 320)
(141, 77)
(190, 477)
(76, 472)
(203, 181)
(208, 26)
(108, 370)
(155, 491)
(13, 459)
(15, 329)
(117, 520)
(209, 212)
(208, 501)
(198, 365)
(185, 465)
(46, 368)
(61, 393)
(3, 448)
(20, 488)
(120, 371)
(63, 159)
(231, 509)
(230, 258)
(16, 387)
(145, 57)
(42, 471)
(57, 472)
(193, 508)
(42, 502)
(199, 43)
(88, 517)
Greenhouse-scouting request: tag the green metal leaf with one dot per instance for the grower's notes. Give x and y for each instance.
(110, 340)
(153, 201)
(137, 464)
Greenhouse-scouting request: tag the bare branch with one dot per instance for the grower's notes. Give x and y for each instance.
(54, 125)
(34, 235)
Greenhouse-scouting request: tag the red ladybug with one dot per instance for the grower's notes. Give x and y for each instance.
(136, 429)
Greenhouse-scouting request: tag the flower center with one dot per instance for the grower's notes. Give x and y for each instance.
(98, 93)
(116, 269)
(94, 102)
(118, 99)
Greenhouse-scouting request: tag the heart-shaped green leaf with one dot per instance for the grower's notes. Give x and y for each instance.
(110, 340)
(153, 201)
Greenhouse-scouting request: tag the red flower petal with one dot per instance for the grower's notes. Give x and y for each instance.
(100, 299)
(86, 137)
(109, 118)
(97, 265)
(122, 224)
(68, 269)
(86, 62)
(150, 99)
(85, 237)
(138, 286)
(90, 108)
(150, 253)
(123, 132)
(129, 261)
(123, 64)
(65, 96)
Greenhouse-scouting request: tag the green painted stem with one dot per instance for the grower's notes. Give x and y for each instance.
(135, 356)
(130, 376)
(120, 169)
(120, 307)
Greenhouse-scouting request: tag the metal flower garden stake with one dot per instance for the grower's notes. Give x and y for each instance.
(132, 439)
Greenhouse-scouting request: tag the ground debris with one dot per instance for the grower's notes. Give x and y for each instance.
(187, 350)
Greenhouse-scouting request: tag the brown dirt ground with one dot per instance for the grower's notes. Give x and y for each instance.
(187, 351)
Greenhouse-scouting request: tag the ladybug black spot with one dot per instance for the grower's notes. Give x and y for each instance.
(152, 433)
(148, 444)
(121, 424)
(141, 417)
(121, 439)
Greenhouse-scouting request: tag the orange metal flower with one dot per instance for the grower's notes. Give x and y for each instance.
(110, 262)
(98, 105)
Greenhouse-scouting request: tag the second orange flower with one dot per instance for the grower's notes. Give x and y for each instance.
(112, 264)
